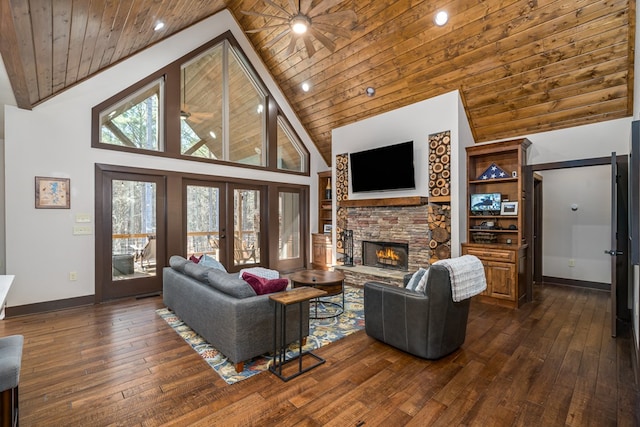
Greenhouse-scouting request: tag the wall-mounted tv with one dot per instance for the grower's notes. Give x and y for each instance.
(486, 202)
(382, 169)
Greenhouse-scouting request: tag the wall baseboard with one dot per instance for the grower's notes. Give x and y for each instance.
(42, 307)
(576, 283)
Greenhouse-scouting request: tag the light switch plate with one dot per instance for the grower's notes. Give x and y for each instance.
(79, 230)
(83, 217)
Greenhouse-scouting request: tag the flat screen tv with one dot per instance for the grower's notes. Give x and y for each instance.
(485, 202)
(382, 169)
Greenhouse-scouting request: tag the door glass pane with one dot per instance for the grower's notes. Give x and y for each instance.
(289, 226)
(133, 229)
(203, 224)
(246, 226)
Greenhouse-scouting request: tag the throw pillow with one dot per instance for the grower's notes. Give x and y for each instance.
(415, 279)
(209, 261)
(195, 259)
(229, 284)
(261, 272)
(422, 284)
(265, 286)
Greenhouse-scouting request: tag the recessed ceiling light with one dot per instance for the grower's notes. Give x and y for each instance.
(441, 18)
(159, 26)
(370, 91)
(213, 134)
(306, 87)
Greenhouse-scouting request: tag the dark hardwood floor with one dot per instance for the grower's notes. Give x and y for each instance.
(550, 363)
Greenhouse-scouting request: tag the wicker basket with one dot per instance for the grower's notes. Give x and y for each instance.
(484, 237)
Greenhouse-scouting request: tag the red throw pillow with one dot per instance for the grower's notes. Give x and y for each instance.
(265, 286)
(195, 259)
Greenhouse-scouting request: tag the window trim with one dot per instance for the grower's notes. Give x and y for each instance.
(170, 113)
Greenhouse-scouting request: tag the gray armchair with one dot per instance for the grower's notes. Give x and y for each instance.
(429, 325)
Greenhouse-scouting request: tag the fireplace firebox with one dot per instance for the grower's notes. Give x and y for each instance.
(391, 255)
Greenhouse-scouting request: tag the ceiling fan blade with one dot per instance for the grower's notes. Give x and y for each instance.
(337, 16)
(268, 27)
(305, 5)
(264, 15)
(292, 44)
(322, 7)
(294, 6)
(272, 4)
(308, 43)
(326, 41)
(338, 31)
(276, 38)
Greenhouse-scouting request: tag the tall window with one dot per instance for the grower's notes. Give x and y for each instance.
(210, 104)
(223, 108)
(291, 154)
(135, 122)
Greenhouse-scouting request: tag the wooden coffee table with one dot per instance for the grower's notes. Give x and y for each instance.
(332, 282)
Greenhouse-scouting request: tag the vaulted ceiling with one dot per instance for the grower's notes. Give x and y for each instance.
(521, 66)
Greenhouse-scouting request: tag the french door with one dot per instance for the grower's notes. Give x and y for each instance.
(224, 221)
(131, 242)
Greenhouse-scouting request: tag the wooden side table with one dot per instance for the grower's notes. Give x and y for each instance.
(282, 300)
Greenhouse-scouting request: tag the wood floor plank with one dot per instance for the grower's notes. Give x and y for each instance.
(552, 362)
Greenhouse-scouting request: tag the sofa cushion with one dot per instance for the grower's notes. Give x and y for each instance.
(229, 284)
(261, 272)
(209, 261)
(263, 286)
(177, 263)
(197, 271)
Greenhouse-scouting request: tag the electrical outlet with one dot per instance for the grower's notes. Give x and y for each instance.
(572, 263)
(73, 276)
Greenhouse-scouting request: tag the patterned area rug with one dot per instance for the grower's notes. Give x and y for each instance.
(321, 332)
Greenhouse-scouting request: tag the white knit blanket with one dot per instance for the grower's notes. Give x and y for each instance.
(467, 276)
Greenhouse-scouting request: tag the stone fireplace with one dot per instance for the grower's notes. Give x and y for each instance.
(392, 255)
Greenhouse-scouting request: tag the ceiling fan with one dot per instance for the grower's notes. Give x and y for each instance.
(305, 21)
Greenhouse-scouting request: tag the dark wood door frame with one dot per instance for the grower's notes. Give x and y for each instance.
(529, 170)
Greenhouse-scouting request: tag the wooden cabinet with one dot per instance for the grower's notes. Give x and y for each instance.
(322, 251)
(495, 218)
(504, 266)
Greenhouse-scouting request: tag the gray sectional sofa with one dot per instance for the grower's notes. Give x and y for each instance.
(225, 310)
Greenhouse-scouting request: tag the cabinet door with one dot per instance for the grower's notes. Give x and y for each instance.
(500, 279)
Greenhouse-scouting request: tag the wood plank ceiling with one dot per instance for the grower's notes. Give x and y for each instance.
(521, 66)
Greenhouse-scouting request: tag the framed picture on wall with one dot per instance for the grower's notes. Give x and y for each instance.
(52, 193)
(327, 228)
(509, 208)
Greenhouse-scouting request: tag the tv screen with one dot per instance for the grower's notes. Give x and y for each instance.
(384, 168)
(481, 202)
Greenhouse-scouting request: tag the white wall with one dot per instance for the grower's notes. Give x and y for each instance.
(582, 235)
(414, 122)
(54, 140)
